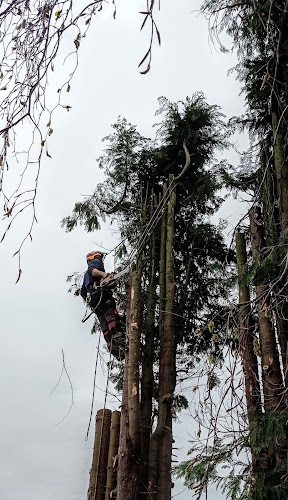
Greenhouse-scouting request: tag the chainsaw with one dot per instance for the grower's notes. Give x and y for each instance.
(112, 278)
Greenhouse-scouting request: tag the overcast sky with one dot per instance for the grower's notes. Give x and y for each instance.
(40, 459)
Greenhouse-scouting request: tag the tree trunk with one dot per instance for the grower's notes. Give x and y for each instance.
(98, 471)
(167, 360)
(281, 174)
(162, 272)
(271, 372)
(134, 360)
(280, 163)
(126, 468)
(273, 207)
(154, 441)
(130, 430)
(281, 170)
(182, 301)
(272, 228)
(247, 337)
(112, 454)
(147, 385)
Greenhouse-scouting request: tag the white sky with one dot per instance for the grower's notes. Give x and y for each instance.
(40, 459)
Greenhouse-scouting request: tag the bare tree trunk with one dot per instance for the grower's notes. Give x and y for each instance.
(167, 360)
(147, 384)
(98, 471)
(162, 272)
(246, 339)
(271, 372)
(161, 422)
(275, 199)
(112, 454)
(125, 471)
(281, 170)
(273, 229)
(182, 301)
(281, 173)
(134, 361)
(130, 430)
(126, 466)
(280, 163)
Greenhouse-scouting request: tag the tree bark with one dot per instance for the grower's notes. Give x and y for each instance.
(112, 454)
(273, 229)
(271, 372)
(280, 163)
(98, 471)
(147, 383)
(130, 430)
(281, 170)
(281, 173)
(162, 272)
(134, 360)
(154, 441)
(247, 337)
(167, 360)
(276, 188)
(126, 467)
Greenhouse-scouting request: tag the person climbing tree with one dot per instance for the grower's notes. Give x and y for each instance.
(101, 300)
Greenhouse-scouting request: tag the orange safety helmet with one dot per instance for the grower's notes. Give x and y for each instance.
(93, 255)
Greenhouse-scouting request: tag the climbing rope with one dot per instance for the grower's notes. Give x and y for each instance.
(93, 394)
(94, 308)
(153, 221)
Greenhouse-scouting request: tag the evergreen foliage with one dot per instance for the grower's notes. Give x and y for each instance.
(137, 167)
(259, 34)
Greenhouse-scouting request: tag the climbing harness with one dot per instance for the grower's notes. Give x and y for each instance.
(88, 300)
(94, 386)
(106, 283)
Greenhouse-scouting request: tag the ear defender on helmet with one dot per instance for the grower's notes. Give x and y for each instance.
(93, 255)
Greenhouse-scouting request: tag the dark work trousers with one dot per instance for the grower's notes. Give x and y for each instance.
(106, 312)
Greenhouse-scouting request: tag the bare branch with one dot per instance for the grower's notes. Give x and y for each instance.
(31, 36)
(187, 164)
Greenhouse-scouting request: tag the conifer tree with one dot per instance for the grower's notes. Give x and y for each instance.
(258, 32)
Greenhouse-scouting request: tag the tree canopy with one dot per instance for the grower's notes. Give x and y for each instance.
(137, 167)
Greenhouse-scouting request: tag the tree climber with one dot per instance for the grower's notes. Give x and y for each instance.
(101, 300)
